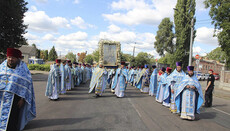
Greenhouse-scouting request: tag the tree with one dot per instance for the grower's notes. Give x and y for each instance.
(164, 37)
(12, 27)
(89, 59)
(82, 57)
(126, 57)
(52, 54)
(183, 15)
(95, 55)
(71, 56)
(143, 58)
(167, 59)
(46, 55)
(219, 12)
(217, 54)
(37, 51)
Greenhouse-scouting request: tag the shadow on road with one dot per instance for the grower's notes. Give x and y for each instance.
(206, 115)
(53, 122)
(219, 105)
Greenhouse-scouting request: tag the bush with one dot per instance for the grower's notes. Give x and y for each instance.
(39, 67)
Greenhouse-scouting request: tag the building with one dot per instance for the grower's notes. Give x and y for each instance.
(28, 52)
(204, 65)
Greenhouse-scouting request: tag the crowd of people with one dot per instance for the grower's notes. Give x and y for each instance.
(179, 91)
(64, 76)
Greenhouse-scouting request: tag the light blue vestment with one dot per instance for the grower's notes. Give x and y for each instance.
(161, 84)
(80, 75)
(18, 82)
(69, 77)
(153, 82)
(121, 77)
(53, 81)
(138, 81)
(63, 78)
(77, 73)
(172, 81)
(191, 81)
(131, 76)
(98, 81)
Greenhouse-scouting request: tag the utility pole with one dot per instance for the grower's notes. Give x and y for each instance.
(191, 43)
(134, 50)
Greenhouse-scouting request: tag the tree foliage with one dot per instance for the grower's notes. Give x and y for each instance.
(167, 59)
(71, 56)
(219, 12)
(217, 54)
(38, 51)
(95, 55)
(183, 15)
(143, 58)
(126, 57)
(89, 59)
(82, 56)
(12, 27)
(164, 37)
(52, 54)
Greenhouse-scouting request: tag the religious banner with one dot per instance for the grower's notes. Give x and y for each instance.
(109, 53)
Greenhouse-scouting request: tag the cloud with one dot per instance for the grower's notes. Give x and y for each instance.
(41, 1)
(39, 21)
(138, 12)
(76, 2)
(114, 29)
(33, 8)
(48, 37)
(32, 39)
(200, 5)
(80, 23)
(204, 35)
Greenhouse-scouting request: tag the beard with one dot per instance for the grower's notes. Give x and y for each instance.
(191, 74)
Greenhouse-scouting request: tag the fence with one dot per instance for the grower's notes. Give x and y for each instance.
(225, 80)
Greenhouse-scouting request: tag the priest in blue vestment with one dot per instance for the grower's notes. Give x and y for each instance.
(69, 76)
(53, 86)
(173, 81)
(17, 101)
(153, 82)
(143, 80)
(63, 77)
(120, 81)
(161, 85)
(189, 96)
(167, 89)
(138, 81)
(76, 74)
(99, 81)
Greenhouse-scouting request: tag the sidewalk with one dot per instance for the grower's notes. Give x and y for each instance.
(33, 72)
(217, 91)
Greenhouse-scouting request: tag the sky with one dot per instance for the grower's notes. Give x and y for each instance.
(78, 25)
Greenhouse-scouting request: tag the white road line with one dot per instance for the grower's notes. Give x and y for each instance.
(134, 107)
(220, 111)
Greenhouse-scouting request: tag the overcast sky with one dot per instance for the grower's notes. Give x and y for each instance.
(78, 25)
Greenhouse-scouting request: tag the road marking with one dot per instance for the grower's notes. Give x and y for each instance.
(220, 111)
(134, 107)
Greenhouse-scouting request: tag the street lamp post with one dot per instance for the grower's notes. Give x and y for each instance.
(191, 43)
(191, 39)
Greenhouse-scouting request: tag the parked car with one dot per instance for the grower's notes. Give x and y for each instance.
(217, 76)
(206, 76)
(200, 77)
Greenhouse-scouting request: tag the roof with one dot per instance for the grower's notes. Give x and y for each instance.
(25, 49)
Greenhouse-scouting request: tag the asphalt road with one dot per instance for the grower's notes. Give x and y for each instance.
(78, 110)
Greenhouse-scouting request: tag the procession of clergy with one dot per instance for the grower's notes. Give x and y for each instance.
(181, 93)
